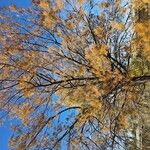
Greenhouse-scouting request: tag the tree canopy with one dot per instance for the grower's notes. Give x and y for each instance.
(74, 74)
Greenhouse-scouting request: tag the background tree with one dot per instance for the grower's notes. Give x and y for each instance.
(73, 73)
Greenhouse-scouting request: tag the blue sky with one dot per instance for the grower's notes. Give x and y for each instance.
(21, 3)
(5, 131)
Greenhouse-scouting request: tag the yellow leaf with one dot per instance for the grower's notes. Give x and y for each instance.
(60, 4)
(81, 2)
(104, 5)
(23, 112)
(44, 4)
(117, 25)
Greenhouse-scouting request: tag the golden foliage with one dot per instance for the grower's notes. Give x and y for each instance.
(138, 4)
(81, 2)
(23, 112)
(25, 86)
(118, 26)
(123, 122)
(44, 4)
(143, 37)
(100, 32)
(104, 5)
(67, 54)
(60, 4)
(97, 57)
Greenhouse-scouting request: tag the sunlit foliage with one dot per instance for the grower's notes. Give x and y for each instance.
(73, 72)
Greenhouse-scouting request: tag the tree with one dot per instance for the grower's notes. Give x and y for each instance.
(73, 73)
